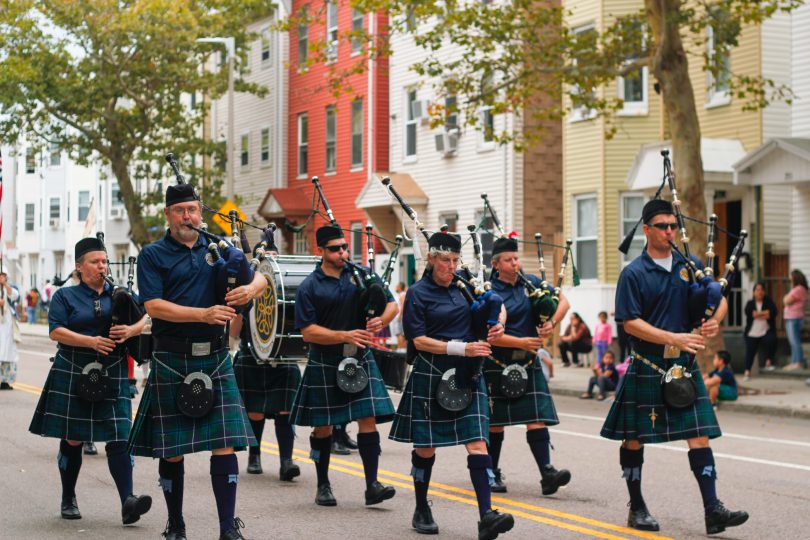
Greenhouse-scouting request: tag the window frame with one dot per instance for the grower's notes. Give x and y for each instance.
(411, 124)
(79, 204)
(580, 114)
(356, 246)
(264, 149)
(300, 243)
(265, 47)
(575, 226)
(114, 201)
(623, 197)
(55, 157)
(451, 219)
(244, 150)
(302, 124)
(716, 97)
(331, 24)
(357, 43)
(330, 140)
(303, 39)
(357, 145)
(30, 161)
(29, 221)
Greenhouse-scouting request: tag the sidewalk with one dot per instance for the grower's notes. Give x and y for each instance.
(766, 395)
(39, 330)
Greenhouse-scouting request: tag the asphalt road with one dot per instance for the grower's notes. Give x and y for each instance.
(763, 467)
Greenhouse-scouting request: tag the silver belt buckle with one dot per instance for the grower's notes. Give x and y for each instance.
(671, 351)
(349, 350)
(201, 349)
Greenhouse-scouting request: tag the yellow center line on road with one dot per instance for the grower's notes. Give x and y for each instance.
(515, 507)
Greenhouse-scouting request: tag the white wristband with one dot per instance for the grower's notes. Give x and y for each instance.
(456, 348)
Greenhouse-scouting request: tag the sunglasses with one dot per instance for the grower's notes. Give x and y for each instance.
(339, 247)
(665, 226)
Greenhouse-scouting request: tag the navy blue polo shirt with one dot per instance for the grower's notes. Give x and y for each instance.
(171, 271)
(648, 292)
(519, 321)
(436, 312)
(74, 308)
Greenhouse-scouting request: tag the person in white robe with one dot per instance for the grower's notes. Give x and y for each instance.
(8, 345)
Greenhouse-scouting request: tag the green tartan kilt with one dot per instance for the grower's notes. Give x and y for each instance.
(60, 413)
(422, 421)
(639, 394)
(319, 402)
(265, 388)
(161, 430)
(536, 405)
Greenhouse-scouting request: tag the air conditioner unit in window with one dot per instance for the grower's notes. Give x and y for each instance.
(54, 223)
(447, 141)
(419, 110)
(117, 212)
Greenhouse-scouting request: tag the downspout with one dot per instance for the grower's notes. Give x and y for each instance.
(370, 97)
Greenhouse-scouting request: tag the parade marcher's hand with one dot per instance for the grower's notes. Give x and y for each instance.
(709, 328)
(2, 303)
(691, 343)
(546, 330)
(495, 332)
(218, 314)
(360, 338)
(103, 345)
(374, 325)
(121, 332)
(531, 344)
(239, 296)
(477, 348)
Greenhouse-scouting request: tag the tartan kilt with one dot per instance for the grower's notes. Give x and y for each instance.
(536, 405)
(60, 413)
(422, 421)
(161, 430)
(265, 388)
(319, 402)
(639, 393)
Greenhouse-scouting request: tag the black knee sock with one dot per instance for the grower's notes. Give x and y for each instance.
(420, 471)
(480, 466)
(258, 429)
(172, 474)
(69, 461)
(701, 461)
(631, 462)
(224, 479)
(320, 453)
(494, 447)
(539, 443)
(120, 463)
(284, 435)
(368, 445)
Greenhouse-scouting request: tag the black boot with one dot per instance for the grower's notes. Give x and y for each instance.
(174, 531)
(254, 463)
(324, 497)
(423, 521)
(288, 470)
(90, 449)
(553, 479)
(719, 517)
(134, 507)
(494, 523)
(642, 520)
(339, 448)
(378, 493)
(70, 510)
(347, 441)
(498, 486)
(234, 534)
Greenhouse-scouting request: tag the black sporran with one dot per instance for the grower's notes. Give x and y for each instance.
(448, 394)
(514, 381)
(351, 377)
(678, 388)
(94, 384)
(195, 397)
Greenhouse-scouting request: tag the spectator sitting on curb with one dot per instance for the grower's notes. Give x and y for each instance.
(604, 376)
(721, 383)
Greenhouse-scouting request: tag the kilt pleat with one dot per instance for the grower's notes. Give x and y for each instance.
(265, 388)
(639, 400)
(60, 413)
(319, 402)
(422, 421)
(161, 430)
(536, 405)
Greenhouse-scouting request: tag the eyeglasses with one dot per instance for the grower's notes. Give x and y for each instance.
(335, 249)
(97, 308)
(665, 226)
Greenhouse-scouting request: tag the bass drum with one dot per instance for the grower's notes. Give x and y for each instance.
(272, 319)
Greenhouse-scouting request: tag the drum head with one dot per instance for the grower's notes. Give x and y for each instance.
(264, 315)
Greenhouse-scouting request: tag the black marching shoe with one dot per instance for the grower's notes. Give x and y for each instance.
(642, 520)
(134, 507)
(90, 449)
(553, 479)
(498, 486)
(234, 534)
(175, 531)
(6, 386)
(378, 493)
(70, 509)
(254, 463)
(339, 448)
(423, 521)
(494, 523)
(324, 497)
(288, 470)
(347, 441)
(719, 517)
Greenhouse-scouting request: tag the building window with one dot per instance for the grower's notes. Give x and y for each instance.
(579, 110)
(357, 241)
(266, 58)
(30, 161)
(84, 205)
(487, 237)
(358, 24)
(116, 199)
(244, 150)
(450, 112)
(303, 143)
(331, 139)
(632, 87)
(585, 235)
(303, 37)
(717, 83)
(331, 30)
(30, 210)
(410, 123)
(265, 151)
(632, 204)
(54, 208)
(449, 219)
(56, 155)
(300, 243)
(357, 133)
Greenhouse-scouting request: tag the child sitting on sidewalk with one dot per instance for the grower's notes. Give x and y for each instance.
(721, 383)
(604, 376)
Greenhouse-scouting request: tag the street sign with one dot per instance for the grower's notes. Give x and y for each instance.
(223, 223)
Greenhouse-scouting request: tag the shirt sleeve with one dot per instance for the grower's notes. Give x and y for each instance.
(305, 314)
(413, 321)
(150, 286)
(628, 297)
(58, 312)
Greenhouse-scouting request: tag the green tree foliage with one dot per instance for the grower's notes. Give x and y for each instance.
(109, 81)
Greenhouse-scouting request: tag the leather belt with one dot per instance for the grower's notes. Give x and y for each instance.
(340, 349)
(664, 351)
(191, 347)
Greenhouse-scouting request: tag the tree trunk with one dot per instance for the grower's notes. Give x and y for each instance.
(132, 202)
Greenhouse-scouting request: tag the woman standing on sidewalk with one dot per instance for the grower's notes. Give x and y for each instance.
(794, 317)
(760, 328)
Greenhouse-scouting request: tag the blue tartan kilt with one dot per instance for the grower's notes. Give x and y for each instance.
(422, 421)
(536, 405)
(319, 402)
(161, 430)
(639, 400)
(60, 413)
(265, 388)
